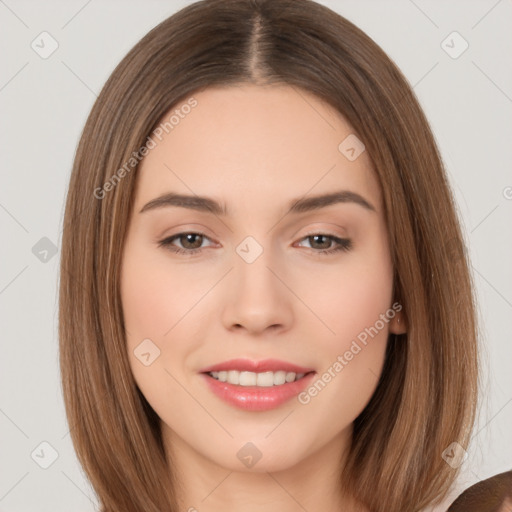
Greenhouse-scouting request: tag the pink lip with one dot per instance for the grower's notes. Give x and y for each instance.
(256, 398)
(266, 365)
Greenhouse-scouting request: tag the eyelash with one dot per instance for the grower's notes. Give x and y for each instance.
(344, 244)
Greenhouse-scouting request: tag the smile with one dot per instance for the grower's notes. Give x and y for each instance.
(252, 391)
(263, 379)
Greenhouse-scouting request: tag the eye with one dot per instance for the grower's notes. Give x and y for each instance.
(340, 244)
(191, 242)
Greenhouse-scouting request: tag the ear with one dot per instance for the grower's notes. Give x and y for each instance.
(398, 324)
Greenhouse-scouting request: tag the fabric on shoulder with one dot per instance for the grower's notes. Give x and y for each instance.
(491, 495)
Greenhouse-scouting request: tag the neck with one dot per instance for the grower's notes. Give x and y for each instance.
(313, 483)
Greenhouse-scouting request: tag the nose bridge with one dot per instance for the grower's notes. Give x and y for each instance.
(252, 269)
(258, 297)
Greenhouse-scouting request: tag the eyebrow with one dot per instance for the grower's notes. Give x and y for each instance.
(301, 205)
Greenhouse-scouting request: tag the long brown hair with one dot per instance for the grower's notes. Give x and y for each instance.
(426, 396)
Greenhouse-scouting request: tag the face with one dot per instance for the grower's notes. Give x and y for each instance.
(285, 291)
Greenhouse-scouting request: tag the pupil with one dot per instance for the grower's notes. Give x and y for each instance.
(321, 236)
(193, 235)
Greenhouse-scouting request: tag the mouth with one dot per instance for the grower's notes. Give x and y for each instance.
(257, 385)
(261, 380)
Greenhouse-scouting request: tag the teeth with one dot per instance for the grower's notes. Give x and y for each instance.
(248, 379)
(279, 378)
(233, 377)
(264, 379)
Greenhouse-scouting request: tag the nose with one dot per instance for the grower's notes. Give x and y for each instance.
(258, 298)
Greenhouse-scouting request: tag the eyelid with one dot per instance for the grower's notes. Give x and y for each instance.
(186, 228)
(167, 240)
(315, 228)
(341, 244)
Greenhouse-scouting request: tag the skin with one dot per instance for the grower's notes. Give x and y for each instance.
(256, 148)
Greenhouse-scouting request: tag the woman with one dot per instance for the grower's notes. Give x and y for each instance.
(263, 369)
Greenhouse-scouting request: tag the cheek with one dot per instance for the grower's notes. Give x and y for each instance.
(149, 305)
(162, 302)
(149, 300)
(354, 304)
(350, 299)
(157, 302)
(157, 296)
(358, 301)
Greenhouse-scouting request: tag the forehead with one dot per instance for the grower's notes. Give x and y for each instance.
(251, 143)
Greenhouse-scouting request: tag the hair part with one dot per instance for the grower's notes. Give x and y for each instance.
(427, 391)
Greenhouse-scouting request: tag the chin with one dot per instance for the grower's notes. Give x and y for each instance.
(267, 464)
(260, 455)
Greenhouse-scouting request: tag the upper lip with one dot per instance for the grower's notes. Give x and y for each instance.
(266, 365)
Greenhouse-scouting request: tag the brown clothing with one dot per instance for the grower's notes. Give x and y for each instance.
(491, 495)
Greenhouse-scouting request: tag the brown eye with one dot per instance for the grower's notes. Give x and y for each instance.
(322, 243)
(190, 242)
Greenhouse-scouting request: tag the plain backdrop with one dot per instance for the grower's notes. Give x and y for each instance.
(44, 103)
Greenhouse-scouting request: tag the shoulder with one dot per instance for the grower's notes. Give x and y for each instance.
(493, 494)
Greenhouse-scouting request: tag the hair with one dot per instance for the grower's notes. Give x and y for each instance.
(426, 396)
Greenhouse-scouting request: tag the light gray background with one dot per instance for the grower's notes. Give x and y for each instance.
(44, 104)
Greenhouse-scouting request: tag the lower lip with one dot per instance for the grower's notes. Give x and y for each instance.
(256, 398)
